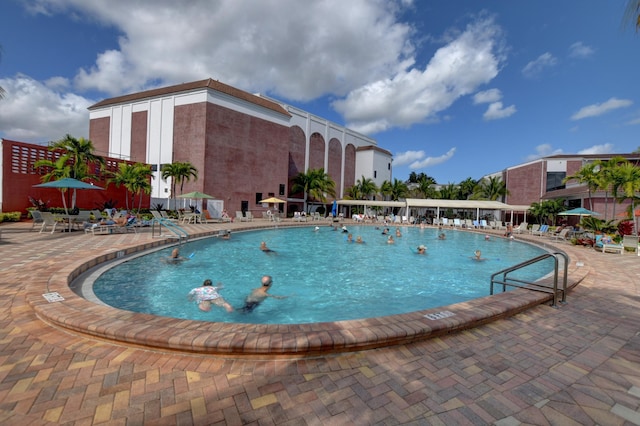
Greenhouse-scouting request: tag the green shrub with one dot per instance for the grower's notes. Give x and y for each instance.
(10, 217)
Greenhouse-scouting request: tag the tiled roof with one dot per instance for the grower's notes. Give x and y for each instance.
(195, 85)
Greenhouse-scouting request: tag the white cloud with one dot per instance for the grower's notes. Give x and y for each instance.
(488, 96)
(606, 148)
(543, 150)
(595, 110)
(535, 67)
(50, 112)
(580, 50)
(418, 159)
(290, 49)
(497, 111)
(411, 96)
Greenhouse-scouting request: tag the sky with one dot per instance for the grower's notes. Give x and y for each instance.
(453, 89)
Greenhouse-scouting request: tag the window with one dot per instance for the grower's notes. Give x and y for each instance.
(282, 189)
(375, 174)
(258, 197)
(554, 180)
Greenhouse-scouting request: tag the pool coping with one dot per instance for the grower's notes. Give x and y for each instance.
(79, 315)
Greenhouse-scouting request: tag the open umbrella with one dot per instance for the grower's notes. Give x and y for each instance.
(67, 183)
(196, 195)
(580, 211)
(273, 200)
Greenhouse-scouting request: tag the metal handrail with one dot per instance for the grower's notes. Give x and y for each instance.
(514, 282)
(177, 231)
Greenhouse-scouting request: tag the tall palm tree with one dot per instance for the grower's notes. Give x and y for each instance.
(630, 186)
(366, 187)
(315, 184)
(608, 180)
(179, 172)
(450, 191)
(632, 14)
(467, 187)
(491, 189)
(76, 157)
(587, 174)
(136, 180)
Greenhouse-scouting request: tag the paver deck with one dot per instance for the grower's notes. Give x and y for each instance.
(579, 364)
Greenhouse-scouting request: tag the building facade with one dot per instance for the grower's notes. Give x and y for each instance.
(245, 147)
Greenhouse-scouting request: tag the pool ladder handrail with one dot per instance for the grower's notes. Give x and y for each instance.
(514, 282)
(177, 232)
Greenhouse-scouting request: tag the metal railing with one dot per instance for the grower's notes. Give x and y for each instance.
(535, 286)
(176, 231)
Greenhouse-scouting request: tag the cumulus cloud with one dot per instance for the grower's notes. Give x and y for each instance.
(419, 160)
(537, 66)
(496, 109)
(606, 148)
(543, 150)
(580, 50)
(466, 62)
(595, 110)
(289, 49)
(52, 113)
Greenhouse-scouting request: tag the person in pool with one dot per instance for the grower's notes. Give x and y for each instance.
(258, 295)
(264, 248)
(207, 295)
(477, 256)
(422, 249)
(174, 257)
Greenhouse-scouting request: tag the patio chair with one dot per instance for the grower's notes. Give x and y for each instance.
(543, 230)
(457, 223)
(37, 218)
(534, 228)
(48, 220)
(607, 247)
(521, 228)
(249, 216)
(562, 235)
(631, 241)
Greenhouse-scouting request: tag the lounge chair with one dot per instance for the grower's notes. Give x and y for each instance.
(102, 229)
(457, 223)
(37, 218)
(543, 230)
(483, 224)
(608, 247)
(631, 241)
(534, 228)
(48, 220)
(249, 216)
(520, 228)
(562, 235)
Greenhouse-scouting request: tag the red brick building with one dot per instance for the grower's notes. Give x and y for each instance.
(19, 175)
(245, 147)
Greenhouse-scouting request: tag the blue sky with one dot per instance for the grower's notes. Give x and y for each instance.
(453, 89)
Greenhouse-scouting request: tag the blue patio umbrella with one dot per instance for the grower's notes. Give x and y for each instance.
(67, 183)
(580, 211)
(334, 208)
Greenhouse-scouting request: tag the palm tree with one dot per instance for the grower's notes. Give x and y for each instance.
(450, 191)
(631, 186)
(587, 174)
(467, 187)
(607, 179)
(366, 187)
(315, 184)
(75, 158)
(632, 14)
(179, 172)
(386, 188)
(490, 189)
(135, 179)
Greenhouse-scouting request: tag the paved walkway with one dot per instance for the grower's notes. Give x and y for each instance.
(579, 364)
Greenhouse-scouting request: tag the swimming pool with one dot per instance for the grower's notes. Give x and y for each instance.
(326, 278)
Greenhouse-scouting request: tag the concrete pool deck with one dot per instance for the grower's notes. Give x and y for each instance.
(578, 364)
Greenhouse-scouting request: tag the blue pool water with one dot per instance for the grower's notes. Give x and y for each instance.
(326, 278)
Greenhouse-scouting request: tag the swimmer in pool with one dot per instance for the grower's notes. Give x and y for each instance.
(264, 248)
(422, 249)
(477, 255)
(207, 295)
(258, 295)
(174, 257)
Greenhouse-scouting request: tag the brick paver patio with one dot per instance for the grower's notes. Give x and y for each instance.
(579, 364)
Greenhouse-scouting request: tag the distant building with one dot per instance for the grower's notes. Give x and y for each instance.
(245, 147)
(543, 179)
